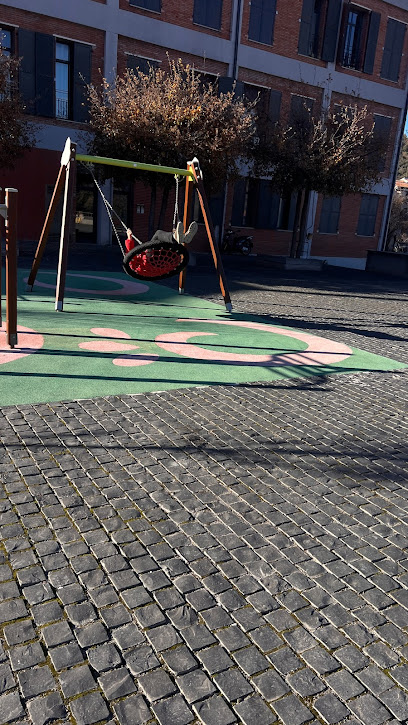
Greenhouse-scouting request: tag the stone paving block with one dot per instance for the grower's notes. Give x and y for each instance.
(149, 616)
(104, 657)
(291, 711)
(136, 597)
(270, 685)
(92, 634)
(46, 613)
(214, 711)
(344, 684)
(89, 709)
(12, 609)
(351, 658)
(284, 660)
(36, 680)
(250, 660)
(26, 655)
(397, 702)
(132, 711)
(58, 633)
(172, 711)
(253, 709)
(215, 659)
(305, 683)
(19, 632)
(141, 659)
(116, 683)
(76, 681)
(369, 710)
(65, 656)
(382, 655)
(330, 709)
(46, 709)
(197, 636)
(375, 680)
(195, 685)
(163, 637)
(127, 636)
(10, 707)
(7, 681)
(156, 685)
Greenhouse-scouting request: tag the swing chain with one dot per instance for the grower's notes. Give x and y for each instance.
(176, 209)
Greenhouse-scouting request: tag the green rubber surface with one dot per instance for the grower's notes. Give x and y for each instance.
(117, 336)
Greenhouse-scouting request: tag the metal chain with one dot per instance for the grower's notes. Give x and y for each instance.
(176, 211)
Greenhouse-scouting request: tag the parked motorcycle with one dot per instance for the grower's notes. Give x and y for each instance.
(234, 242)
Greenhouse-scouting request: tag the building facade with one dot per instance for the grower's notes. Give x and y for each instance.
(318, 53)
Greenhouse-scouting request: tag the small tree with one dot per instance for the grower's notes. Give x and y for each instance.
(398, 222)
(333, 155)
(167, 118)
(402, 172)
(15, 134)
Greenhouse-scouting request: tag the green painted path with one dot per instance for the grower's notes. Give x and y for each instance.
(119, 336)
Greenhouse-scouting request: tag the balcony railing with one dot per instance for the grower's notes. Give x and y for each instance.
(62, 108)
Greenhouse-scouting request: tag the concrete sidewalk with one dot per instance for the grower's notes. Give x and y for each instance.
(216, 555)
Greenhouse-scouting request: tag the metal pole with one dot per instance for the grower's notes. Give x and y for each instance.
(134, 165)
(67, 214)
(188, 195)
(11, 267)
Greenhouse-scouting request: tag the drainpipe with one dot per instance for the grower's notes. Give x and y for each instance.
(237, 35)
(386, 223)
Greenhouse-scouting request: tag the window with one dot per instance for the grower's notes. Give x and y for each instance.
(141, 65)
(154, 5)
(208, 13)
(368, 215)
(54, 75)
(301, 109)
(255, 204)
(62, 79)
(319, 28)
(262, 21)
(287, 211)
(394, 44)
(6, 41)
(329, 215)
(359, 35)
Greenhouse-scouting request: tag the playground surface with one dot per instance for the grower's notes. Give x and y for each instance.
(120, 336)
(211, 554)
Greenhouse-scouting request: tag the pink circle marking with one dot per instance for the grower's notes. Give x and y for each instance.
(127, 287)
(133, 361)
(28, 342)
(110, 346)
(110, 332)
(106, 346)
(319, 351)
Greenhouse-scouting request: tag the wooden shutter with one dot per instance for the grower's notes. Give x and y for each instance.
(82, 64)
(147, 4)
(394, 43)
(372, 38)
(238, 203)
(382, 130)
(275, 99)
(208, 13)
(44, 75)
(140, 65)
(262, 21)
(306, 27)
(26, 50)
(331, 30)
(329, 216)
(368, 215)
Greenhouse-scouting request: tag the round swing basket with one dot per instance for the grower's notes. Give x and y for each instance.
(156, 260)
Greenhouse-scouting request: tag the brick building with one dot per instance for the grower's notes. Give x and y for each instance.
(314, 52)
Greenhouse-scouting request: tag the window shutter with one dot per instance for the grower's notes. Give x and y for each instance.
(140, 65)
(275, 98)
(300, 105)
(268, 206)
(226, 84)
(26, 50)
(371, 42)
(238, 203)
(330, 213)
(368, 215)
(306, 27)
(81, 77)
(382, 129)
(331, 30)
(208, 13)
(44, 75)
(394, 43)
(262, 21)
(147, 4)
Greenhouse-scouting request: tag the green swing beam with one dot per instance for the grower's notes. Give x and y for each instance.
(135, 165)
(65, 184)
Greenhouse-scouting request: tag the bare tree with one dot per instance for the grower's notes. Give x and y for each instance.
(16, 135)
(398, 223)
(167, 117)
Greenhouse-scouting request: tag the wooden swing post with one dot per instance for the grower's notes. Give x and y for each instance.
(9, 211)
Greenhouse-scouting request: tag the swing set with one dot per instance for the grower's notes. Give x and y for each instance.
(165, 255)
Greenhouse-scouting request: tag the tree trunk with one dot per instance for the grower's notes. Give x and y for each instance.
(163, 208)
(294, 242)
(303, 222)
(152, 211)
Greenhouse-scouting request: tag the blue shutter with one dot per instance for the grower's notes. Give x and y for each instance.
(82, 64)
(368, 215)
(331, 30)
(44, 75)
(268, 206)
(275, 99)
(382, 130)
(394, 43)
(238, 203)
(372, 38)
(226, 84)
(208, 13)
(147, 4)
(140, 65)
(262, 21)
(306, 27)
(329, 216)
(26, 50)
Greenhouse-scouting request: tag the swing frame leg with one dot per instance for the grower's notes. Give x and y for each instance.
(66, 227)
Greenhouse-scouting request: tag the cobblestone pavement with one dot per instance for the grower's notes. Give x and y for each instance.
(216, 555)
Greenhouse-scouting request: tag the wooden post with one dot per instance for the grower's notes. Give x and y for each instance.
(11, 267)
(66, 227)
(195, 168)
(188, 196)
(59, 184)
